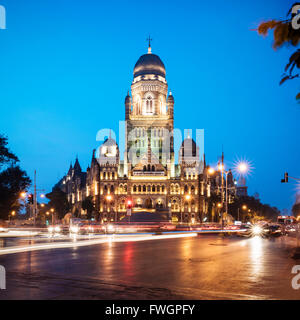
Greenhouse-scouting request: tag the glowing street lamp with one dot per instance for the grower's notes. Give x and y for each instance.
(211, 171)
(188, 197)
(242, 167)
(23, 194)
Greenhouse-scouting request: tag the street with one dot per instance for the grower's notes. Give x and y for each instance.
(203, 267)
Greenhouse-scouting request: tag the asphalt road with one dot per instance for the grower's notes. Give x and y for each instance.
(204, 267)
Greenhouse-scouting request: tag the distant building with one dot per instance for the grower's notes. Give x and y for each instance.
(242, 189)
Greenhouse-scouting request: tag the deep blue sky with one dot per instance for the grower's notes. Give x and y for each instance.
(66, 67)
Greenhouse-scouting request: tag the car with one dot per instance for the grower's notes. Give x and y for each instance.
(86, 228)
(57, 229)
(272, 230)
(3, 229)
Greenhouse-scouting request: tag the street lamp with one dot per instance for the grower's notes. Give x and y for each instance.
(211, 171)
(187, 198)
(244, 207)
(242, 167)
(52, 213)
(109, 198)
(23, 194)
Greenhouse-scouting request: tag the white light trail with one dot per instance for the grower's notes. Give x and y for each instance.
(107, 239)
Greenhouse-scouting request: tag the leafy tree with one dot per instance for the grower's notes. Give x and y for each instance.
(13, 180)
(285, 34)
(89, 206)
(59, 202)
(257, 209)
(213, 200)
(296, 207)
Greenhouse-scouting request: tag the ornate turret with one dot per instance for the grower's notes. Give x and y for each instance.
(127, 106)
(170, 103)
(77, 167)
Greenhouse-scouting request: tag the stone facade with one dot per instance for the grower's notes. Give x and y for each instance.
(148, 175)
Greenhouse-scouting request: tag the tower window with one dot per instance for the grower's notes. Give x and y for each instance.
(149, 105)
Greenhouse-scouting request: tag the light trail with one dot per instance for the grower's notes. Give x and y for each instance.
(108, 239)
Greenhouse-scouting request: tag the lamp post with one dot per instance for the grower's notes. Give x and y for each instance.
(187, 198)
(109, 199)
(244, 207)
(52, 213)
(241, 167)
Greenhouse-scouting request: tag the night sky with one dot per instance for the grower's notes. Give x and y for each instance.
(66, 67)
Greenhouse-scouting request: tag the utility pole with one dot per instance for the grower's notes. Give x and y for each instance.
(34, 200)
(35, 206)
(222, 188)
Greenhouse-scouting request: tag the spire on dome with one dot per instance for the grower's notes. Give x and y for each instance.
(149, 46)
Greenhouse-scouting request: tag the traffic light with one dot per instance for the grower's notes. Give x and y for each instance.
(129, 204)
(30, 198)
(286, 178)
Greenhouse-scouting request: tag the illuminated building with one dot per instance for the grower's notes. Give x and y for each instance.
(148, 175)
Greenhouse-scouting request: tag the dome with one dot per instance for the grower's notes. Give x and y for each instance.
(109, 148)
(190, 146)
(170, 98)
(149, 64)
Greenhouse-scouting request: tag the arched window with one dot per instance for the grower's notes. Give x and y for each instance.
(144, 168)
(149, 188)
(144, 188)
(185, 188)
(112, 189)
(158, 189)
(192, 189)
(134, 188)
(153, 188)
(140, 188)
(153, 168)
(125, 187)
(149, 105)
(163, 189)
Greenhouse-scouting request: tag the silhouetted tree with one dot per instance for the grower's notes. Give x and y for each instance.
(13, 180)
(58, 201)
(89, 206)
(285, 34)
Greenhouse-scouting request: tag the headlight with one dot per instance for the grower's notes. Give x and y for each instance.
(57, 229)
(257, 230)
(50, 229)
(74, 229)
(110, 228)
